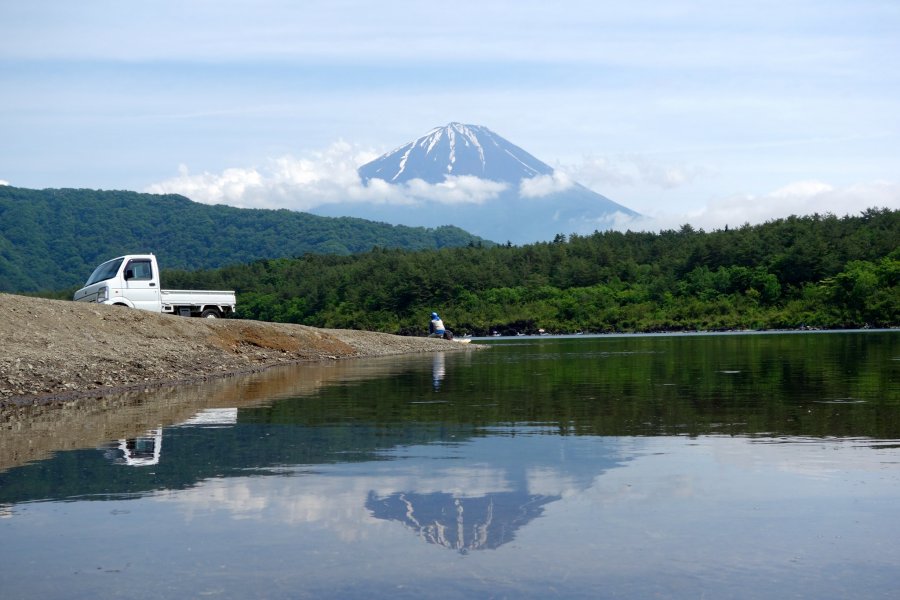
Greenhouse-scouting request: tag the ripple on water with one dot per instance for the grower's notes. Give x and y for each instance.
(840, 401)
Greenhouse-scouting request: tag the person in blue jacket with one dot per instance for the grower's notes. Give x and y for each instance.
(436, 328)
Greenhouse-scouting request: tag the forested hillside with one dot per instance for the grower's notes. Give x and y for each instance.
(817, 271)
(53, 239)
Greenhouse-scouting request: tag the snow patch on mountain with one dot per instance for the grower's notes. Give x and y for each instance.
(455, 149)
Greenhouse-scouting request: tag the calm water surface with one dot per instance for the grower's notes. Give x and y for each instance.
(729, 466)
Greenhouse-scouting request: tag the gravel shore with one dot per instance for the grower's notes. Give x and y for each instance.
(53, 350)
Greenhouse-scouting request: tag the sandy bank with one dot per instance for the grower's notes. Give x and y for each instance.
(52, 350)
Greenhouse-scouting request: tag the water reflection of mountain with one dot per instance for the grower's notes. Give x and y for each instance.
(503, 482)
(775, 385)
(461, 524)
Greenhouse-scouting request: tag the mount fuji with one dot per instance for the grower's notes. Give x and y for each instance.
(468, 176)
(456, 149)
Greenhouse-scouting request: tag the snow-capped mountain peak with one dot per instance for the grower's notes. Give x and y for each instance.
(468, 176)
(456, 149)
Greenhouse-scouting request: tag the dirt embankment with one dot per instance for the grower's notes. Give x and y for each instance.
(52, 350)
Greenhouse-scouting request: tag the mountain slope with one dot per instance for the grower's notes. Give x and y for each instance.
(52, 239)
(456, 149)
(436, 175)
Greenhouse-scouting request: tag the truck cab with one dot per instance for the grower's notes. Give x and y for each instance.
(133, 281)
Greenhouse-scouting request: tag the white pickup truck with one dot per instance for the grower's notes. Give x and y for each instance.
(133, 280)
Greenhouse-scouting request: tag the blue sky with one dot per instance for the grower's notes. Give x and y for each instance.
(685, 111)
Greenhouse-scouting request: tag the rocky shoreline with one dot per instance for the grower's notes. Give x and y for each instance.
(54, 351)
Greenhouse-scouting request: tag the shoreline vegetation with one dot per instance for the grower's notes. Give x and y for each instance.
(817, 272)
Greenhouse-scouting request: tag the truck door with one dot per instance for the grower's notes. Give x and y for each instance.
(141, 284)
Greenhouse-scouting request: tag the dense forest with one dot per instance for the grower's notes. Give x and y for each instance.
(53, 239)
(817, 271)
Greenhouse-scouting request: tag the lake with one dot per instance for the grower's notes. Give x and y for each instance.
(655, 466)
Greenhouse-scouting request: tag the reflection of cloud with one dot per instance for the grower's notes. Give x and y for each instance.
(545, 481)
(820, 459)
(337, 503)
(460, 507)
(239, 499)
(490, 486)
(493, 488)
(719, 469)
(471, 481)
(307, 500)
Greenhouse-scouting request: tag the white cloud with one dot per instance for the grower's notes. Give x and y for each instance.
(544, 185)
(602, 171)
(324, 177)
(666, 176)
(696, 36)
(232, 186)
(3, 182)
(633, 170)
(457, 189)
(285, 182)
(801, 189)
(330, 177)
(797, 198)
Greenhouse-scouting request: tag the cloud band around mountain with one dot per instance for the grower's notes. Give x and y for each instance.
(330, 177)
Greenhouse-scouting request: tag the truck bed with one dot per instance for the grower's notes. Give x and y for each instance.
(197, 297)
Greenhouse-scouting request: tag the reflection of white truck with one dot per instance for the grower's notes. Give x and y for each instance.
(143, 451)
(133, 281)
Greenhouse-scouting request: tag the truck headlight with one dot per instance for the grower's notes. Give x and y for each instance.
(103, 294)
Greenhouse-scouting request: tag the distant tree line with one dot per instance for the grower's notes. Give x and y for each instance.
(817, 271)
(52, 239)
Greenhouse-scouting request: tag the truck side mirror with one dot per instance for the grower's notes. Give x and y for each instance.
(129, 274)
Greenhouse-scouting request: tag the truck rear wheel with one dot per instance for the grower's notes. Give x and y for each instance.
(210, 313)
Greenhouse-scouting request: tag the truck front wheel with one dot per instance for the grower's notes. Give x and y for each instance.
(210, 313)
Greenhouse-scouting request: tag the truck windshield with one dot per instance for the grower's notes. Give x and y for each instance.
(105, 271)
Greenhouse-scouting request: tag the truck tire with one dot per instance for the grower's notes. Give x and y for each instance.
(210, 313)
